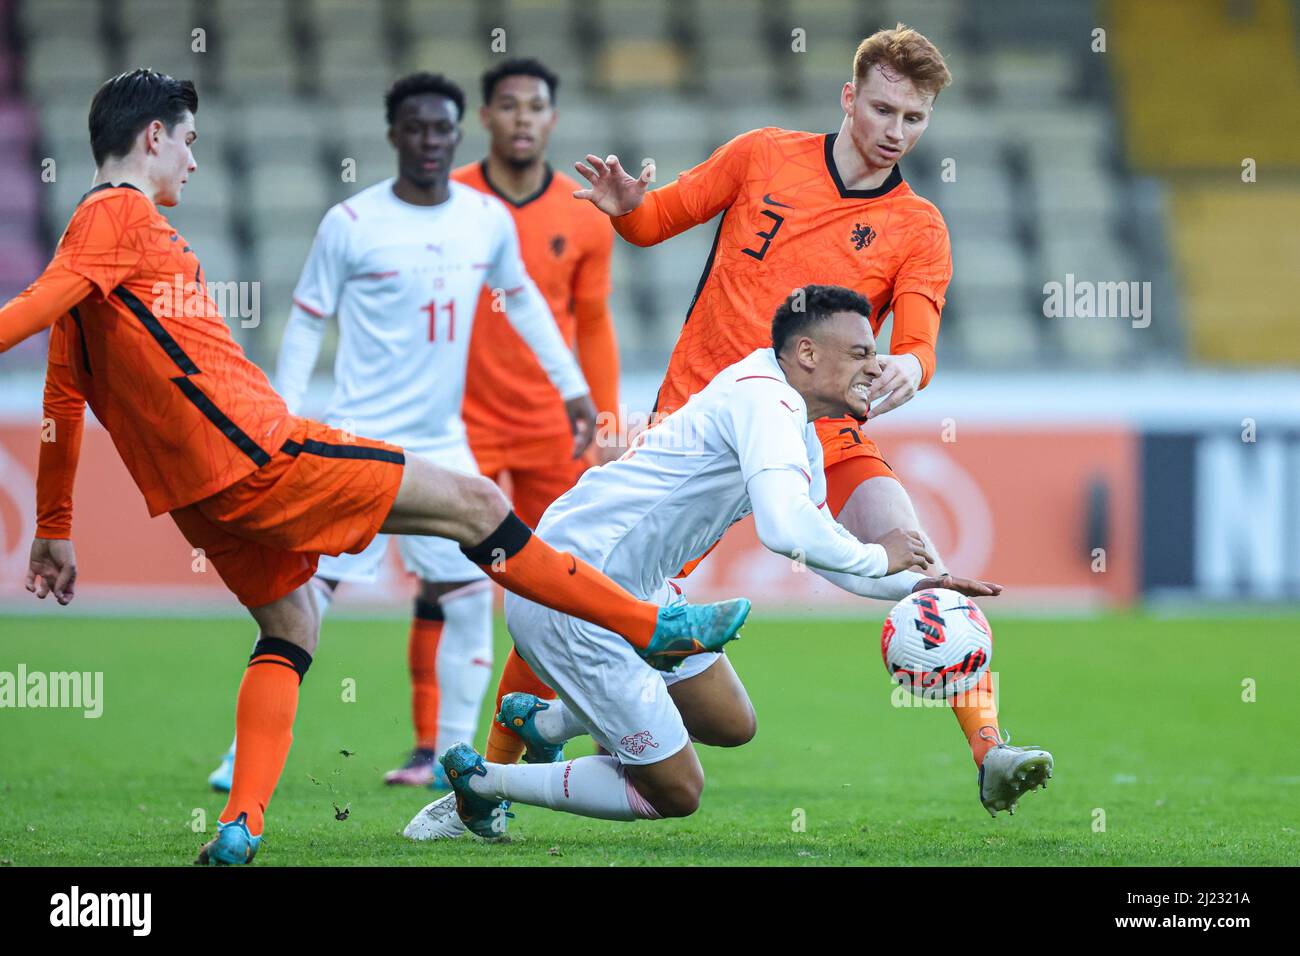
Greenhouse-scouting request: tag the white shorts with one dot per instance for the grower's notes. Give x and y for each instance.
(621, 700)
(430, 559)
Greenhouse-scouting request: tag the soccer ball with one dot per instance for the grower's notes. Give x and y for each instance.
(936, 643)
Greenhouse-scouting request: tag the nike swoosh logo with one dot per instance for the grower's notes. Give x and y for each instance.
(574, 562)
(772, 202)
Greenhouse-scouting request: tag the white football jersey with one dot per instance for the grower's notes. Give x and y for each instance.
(404, 282)
(683, 482)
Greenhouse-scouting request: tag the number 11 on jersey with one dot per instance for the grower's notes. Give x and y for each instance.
(432, 308)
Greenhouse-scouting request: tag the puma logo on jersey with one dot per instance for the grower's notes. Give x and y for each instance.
(862, 236)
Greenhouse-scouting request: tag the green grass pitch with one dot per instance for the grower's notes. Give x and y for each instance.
(1145, 716)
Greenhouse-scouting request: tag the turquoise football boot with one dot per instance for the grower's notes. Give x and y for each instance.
(516, 714)
(232, 845)
(686, 629)
(221, 779)
(482, 816)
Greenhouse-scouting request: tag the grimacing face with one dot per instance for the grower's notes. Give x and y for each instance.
(519, 119)
(846, 362)
(173, 158)
(887, 115)
(425, 132)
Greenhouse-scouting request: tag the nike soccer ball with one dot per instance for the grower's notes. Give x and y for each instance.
(936, 643)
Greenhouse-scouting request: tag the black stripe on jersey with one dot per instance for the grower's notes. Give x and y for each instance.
(155, 328)
(215, 415)
(708, 267)
(704, 277)
(81, 333)
(892, 181)
(325, 450)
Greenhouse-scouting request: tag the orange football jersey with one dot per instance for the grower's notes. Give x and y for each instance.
(565, 244)
(788, 221)
(153, 358)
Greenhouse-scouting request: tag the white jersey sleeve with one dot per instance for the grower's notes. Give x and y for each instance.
(788, 523)
(321, 283)
(763, 423)
(890, 587)
(299, 349)
(528, 313)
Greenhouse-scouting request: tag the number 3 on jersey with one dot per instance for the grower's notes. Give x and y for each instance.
(432, 309)
(767, 237)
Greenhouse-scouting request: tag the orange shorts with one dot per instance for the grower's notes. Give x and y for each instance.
(849, 457)
(540, 469)
(324, 492)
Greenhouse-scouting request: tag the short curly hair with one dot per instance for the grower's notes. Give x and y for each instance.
(418, 83)
(519, 66)
(810, 305)
(906, 52)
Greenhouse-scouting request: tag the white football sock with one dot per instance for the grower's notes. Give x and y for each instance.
(557, 723)
(588, 786)
(464, 662)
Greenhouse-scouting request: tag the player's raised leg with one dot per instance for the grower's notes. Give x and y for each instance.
(472, 511)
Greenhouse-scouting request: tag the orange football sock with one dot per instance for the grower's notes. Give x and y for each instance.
(976, 710)
(503, 745)
(522, 562)
(268, 701)
(422, 654)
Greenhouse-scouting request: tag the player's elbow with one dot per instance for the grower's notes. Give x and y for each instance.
(775, 537)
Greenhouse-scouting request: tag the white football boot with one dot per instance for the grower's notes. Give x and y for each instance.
(1010, 772)
(438, 821)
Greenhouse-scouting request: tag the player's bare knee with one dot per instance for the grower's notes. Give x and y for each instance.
(681, 799)
(486, 506)
(740, 730)
(678, 796)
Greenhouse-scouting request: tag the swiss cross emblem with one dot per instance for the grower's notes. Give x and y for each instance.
(862, 235)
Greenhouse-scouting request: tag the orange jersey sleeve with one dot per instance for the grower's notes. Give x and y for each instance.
(695, 197)
(64, 417)
(594, 340)
(597, 351)
(916, 331)
(39, 306)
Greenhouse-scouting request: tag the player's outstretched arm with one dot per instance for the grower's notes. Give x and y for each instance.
(39, 306)
(789, 523)
(52, 569)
